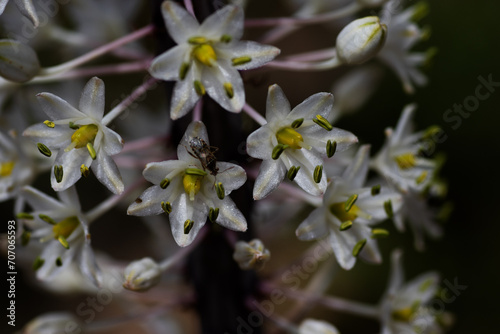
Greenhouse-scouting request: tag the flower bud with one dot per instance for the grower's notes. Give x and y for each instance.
(53, 323)
(360, 40)
(141, 275)
(311, 326)
(18, 62)
(251, 255)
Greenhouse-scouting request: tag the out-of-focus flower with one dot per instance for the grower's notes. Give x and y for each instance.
(192, 188)
(54, 323)
(80, 137)
(251, 255)
(294, 141)
(207, 58)
(142, 275)
(25, 7)
(313, 326)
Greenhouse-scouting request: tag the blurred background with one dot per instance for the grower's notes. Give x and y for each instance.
(466, 34)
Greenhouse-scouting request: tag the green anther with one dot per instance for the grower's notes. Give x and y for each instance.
(219, 188)
(63, 241)
(292, 172)
(44, 149)
(24, 215)
(420, 10)
(425, 285)
(167, 207)
(38, 263)
(195, 171)
(183, 71)
(331, 147)
(241, 60)
(84, 170)
(431, 132)
(422, 177)
(323, 122)
(47, 219)
(376, 190)
(379, 233)
(388, 208)
(318, 173)
(49, 124)
(188, 225)
(25, 237)
(59, 262)
(345, 225)
(213, 214)
(350, 202)
(164, 183)
(277, 150)
(228, 87)
(73, 126)
(91, 150)
(199, 88)
(358, 247)
(226, 39)
(196, 40)
(297, 123)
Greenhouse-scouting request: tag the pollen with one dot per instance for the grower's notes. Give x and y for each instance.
(192, 184)
(65, 227)
(83, 136)
(406, 161)
(288, 136)
(205, 54)
(6, 168)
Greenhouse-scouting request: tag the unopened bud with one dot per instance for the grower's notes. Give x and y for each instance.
(18, 61)
(360, 40)
(141, 275)
(51, 323)
(251, 255)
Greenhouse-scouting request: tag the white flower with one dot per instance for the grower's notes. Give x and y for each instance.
(207, 58)
(312, 326)
(295, 139)
(404, 307)
(347, 212)
(142, 275)
(53, 323)
(62, 229)
(251, 255)
(80, 137)
(25, 7)
(187, 190)
(402, 35)
(399, 161)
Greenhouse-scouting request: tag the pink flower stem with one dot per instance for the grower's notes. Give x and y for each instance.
(254, 114)
(304, 66)
(142, 143)
(183, 252)
(189, 7)
(198, 111)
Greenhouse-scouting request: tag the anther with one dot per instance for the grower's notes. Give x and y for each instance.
(375, 190)
(183, 70)
(358, 247)
(345, 225)
(297, 123)
(388, 208)
(213, 214)
(228, 87)
(241, 60)
(331, 147)
(292, 172)
(188, 225)
(91, 150)
(277, 150)
(379, 233)
(199, 88)
(323, 122)
(84, 170)
(318, 173)
(164, 183)
(167, 207)
(44, 149)
(350, 202)
(49, 124)
(219, 188)
(38, 263)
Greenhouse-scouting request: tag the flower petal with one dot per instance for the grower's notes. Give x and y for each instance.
(277, 105)
(214, 79)
(308, 160)
(313, 227)
(271, 173)
(184, 96)
(317, 104)
(71, 162)
(356, 172)
(230, 216)
(112, 142)
(182, 210)
(231, 176)
(56, 108)
(70, 198)
(167, 65)
(259, 144)
(316, 134)
(343, 243)
(226, 21)
(180, 24)
(54, 138)
(259, 54)
(92, 100)
(194, 130)
(149, 204)
(155, 172)
(39, 201)
(107, 173)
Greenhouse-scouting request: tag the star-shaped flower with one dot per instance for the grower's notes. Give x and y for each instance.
(62, 229)
(192, 188)
(81, 138)
(207, 58)
(25, 7)
(405, 307)
(400, 160)
(294, 141)
(348, 211)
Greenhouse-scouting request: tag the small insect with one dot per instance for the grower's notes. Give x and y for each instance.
(205, 154)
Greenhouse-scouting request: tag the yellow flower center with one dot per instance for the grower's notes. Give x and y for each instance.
(6, 168)
(192, 184)
(65, 227)
(338, 210)
(406, 161)
(403, 315)
(290, 137)
(205, 54)
(83, 136)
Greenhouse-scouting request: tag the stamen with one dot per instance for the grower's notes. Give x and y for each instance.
(219, 188)
(197, 40)
(73, 126)
(195, 171)
(164, 183)
(350, 202)
(323, 122)
(183, 71)
(199, 88)
(229, 89)
(277, 150)
(47, 219)
(297, 123)
(338, 210)
(44, 149)
(49, 124)
(25, 237)
(241, 60)
(59, 262)
(345, 225)
(331, 148)
(213, 214)
(188, 225)
(38, 263)
(388, 208)
(292, 172)
(63, 241)
(379, 233)
(358, 247)
(422, 177)
(84, 170)
(24, 215)
(226, 39)
(91, 150)
(167, 207)
(290, 137)
(318, 173)
(376, 190)
(425, 285)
